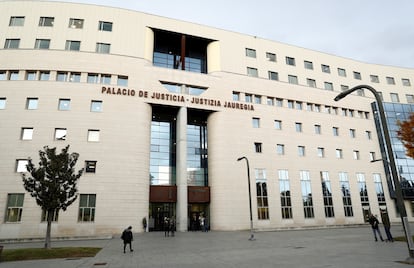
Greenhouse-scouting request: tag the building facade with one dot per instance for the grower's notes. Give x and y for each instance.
(160, 110)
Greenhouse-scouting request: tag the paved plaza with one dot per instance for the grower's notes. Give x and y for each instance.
(342, 247)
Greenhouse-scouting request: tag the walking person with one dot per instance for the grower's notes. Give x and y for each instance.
(387, 225)
(127, 237)
(166, 226)
(374, 224)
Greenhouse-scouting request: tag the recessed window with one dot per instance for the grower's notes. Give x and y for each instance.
(90, 166)
(344, 87)
(14, 207)
(256, 122)
(390, 80)
(356, 155)
(21, 165)
(317, 129)
(75, 23)
(16, 21)
(75, 77)
(105, 26)
(278, 124)
(42, 43)
(321, 152)
(335, 131)
(31, 75)
(372, 156)
(406, 82)
(360, 92)
(122, 80)
(341, 72)
(252, 72)
(257, 99)
(96, 106)
(298, 105)
(328, 86)
(44, 75)
(311, 82)
(338, 153)
(14, 75)
(290, 61)
(62, 76)
(279, 102)
(280, 149)
(103, 48)
(394, 97)
(46, 21)
(93, 78)
(87, 205)
(290, 104)
(12, 43)
(250, 53)
(270, 101)
(273, 75)
(2, 103)
(410, 98)
(258, 147)
(248, 98)
(374, 78)
(298, 127)
(27, 133)
(72, 45)
(45, 215)
(93, 135)
(236, 96)
(325, 68)
(293, 79)
(357, 75)
(32, 103)
(60, 134)
(271, 56)
(308, 65)
(301, 150)
(352, 133)
(64, 104)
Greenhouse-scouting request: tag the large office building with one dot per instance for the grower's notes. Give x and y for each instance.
(160, 110)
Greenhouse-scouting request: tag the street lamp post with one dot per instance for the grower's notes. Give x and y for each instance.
(394, 174)
(250, 197)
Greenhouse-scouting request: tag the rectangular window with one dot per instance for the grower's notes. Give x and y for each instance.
(406, 82)
(93, 135)
(301, 150)
(12, 43)
(328, 86)
(352, 133)
(308, 65)
(360, 92)
(279, 102)
(298, 127)
(16, 21)
(318, 129)
(394, 97)
(363, 192)
(290, 61)
(355, 153)
(341, 72)
(46, 21)
(285, 194)
(96, 106)
(321, 152)
(252, 72)
(42, 43)
(317, 108)
(327, 195)
(250, 53)
(372, 156)
(2, 103)
(75, 23)
(45, 215)
(290, 104)
(368, 135)
(346, 194)
(72, 45)
(105, 26)
(27, 133)
(311, 82)
(390, 80)
(103, 48)
(3, 75)
(62, 76)
(273, 75)
(325, 68)
(270, 101)
(60, 134)
(379, 189)
(271, 56)
(280, 149)
(357, 75)
(105, 79)
(31, 75)
(307, 199)
(410, 98)
(13, 75)
(256, 122)
(21, 165)
(75, 77)
(236, 96)
(44, 75)
(64, 104)
(122, 80)
(293, 79)
(258, 147)
(335, 131)
(92, 78)
(32, 103)
(261, 194)
(257, 99)
(90, 166)
(248, 98)
(374, 78)
(278, 124)
(87, 206)
(338, 153)
(14, 207)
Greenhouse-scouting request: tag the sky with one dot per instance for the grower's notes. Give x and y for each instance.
(371, 31)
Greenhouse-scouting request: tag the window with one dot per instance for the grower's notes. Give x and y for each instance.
(93, 135)
(46, 21)
(335, 131)
(368, 135)
(270, 101)
(64, 104)
(379, 189)
(394, 97)
(308, 65)
(252, 72)
(285, 196)
(2, 103)
(338, 153)
(317, 129)
(299, 105)
(13, 75)
(390, 80)
(14, 207)
(105, 79)
(93, 78)
(96, 106)
(341, 72)
(32, 103)
(103, 48)
(21, 165)
(72, 45)
(410, 98)
(42, 44)
(355, 154)
(248, 98)
(60, 134)
(258, 147)
(325, 68)
(311, 82)
(90, 166)
(44, 75)
(290, 61)
(250, 53)
(278, 124)
(357, 75)
(12, 43)
(293, 79)
(236, 96)
(374, 78)
(271, 56)
(31, 75)
(298, 127)
(406, 82)
(256, 122)
(45, 215)
(328, 86)
(257, 99)
(321, 152)
(27, 133)
(306, 194)
(3, 75)
(16, 21)
(279, 102)
(344, 87)
(346, 194)
(261, 194)
(301, 150)
(372, 156)
(273, 75)
(327, 195)
(290, 104)
(75, 77)
(363, 191)
(280, 149)
(352, 133)
(62, 76)
(317, 108)
(122, 80)
(360, 92)
(105, 26)
(87, 204)
(75, 23)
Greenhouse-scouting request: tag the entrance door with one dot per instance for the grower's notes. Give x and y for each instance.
(158, 212)
(194, 213)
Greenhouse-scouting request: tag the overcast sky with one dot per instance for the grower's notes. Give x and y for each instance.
(372, 31)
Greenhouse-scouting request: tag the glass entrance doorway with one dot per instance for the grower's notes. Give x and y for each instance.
(195, 213)
(157, 213)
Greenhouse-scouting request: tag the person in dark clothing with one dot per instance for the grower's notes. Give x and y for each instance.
(374, 224)
(127, 237)
(387, 225)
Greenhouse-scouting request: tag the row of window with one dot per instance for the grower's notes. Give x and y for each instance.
(62, 76)
(60, 134)
(15, 202)
(74, 23)
(90, 165)
(32, 103)
(310, 66)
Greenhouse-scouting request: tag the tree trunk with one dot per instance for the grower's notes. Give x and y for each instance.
(49, 227)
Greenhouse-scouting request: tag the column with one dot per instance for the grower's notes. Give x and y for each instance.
(181, 147)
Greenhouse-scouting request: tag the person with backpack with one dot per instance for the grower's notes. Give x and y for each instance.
(127, 237)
